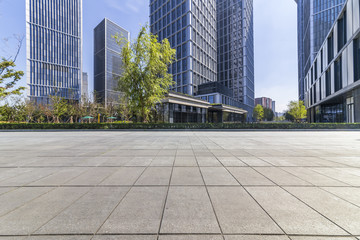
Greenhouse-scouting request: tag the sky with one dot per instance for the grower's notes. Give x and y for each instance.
(275, 27)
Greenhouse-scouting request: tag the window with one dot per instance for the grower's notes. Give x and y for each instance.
(330, 48)
(356, 59)
(328, 82)
(342, 32)
(338, 75)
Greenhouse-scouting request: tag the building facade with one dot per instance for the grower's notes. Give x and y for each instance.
(107, 61)
(315, 18)
(54, 49)
(265, 102)
(85, 86)
(235, 47)
(332, 83)
(190, 26)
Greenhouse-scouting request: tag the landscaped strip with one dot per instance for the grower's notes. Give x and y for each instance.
(14, 126)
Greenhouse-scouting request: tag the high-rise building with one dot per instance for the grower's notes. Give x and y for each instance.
(85, 86)
(265, 102)
(107, 60)
(54, 48)
(235, 47)
(190, 26)
(315, 18)
(332, 83)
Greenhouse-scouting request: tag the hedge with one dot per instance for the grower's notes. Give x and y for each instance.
(17, 126)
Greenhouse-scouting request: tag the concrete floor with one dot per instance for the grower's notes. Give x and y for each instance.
(180, 185)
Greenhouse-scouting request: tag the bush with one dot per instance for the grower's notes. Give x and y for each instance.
(74, 126)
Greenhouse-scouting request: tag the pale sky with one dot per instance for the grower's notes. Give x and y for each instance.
(275, 26)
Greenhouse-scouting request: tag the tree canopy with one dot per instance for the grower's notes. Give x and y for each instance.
(145, 79)
(258, 113)
(8, 79)
(297, 110)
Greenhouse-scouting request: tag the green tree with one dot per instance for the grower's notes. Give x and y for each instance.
(145, 79)
(8, 79)
(258, 113)
(58, 107)
(268, 114)
(297, 110)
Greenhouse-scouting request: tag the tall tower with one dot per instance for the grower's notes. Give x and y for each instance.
(190, 26)
(315, 19)
(54, 48)
(235, 47)
(107, 61)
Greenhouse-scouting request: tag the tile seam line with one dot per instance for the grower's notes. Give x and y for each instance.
(246, 189)
(166, 198)
(206, 188)
(117, 205)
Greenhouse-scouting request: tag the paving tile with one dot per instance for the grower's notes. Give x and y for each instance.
(7, 173)
(191, 237)
(185, 161)
(93, 176)
(114, 161)
(167, 161)
(339, 211)
(155, 176)
(123, 176)
(87, 214)
(60, 177)
(217, 176)
(322, 238)
(28, 218)
(350, 194)
(16, 198)
(231, 162)
(248, 176)
(75, 237)
(125, 237)
(340, 175)
(238, 213)
(4, 190)
(143, 161)
(28, 177)
(208, 161)
(281, 177)
(188, 210)
(186, 176)
(293, 216)
(313, 177)
(254, 162)
(139, 212)
(256, 237)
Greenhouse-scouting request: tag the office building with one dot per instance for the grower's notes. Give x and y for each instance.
(315, 18)
(53, 49)
(235, 48)
(190, 26)
(273, 108)
(332, 84)
(107, 61)
(85, 86)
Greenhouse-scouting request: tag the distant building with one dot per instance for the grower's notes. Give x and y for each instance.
(53, 49)
(107, 61)
(332, 84)
(265, 102)
(315, 19)
(85, 86)
(273, 106)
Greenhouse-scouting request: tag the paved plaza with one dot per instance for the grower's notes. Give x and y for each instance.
(180, 185)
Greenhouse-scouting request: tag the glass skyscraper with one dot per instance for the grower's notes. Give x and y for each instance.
(315, 19)
(107, 61)
(190, 26)
(54, 48)
(235, 41)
